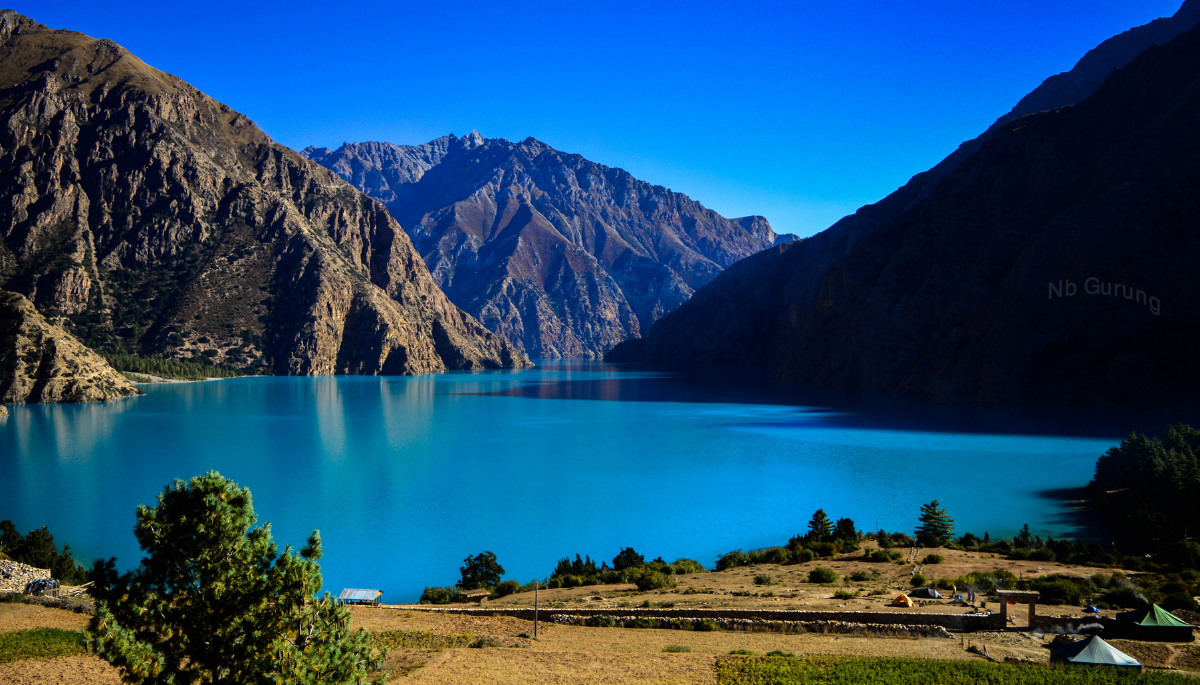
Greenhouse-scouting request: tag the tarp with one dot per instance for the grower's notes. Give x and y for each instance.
(1154, 615)
(1094, 651)
(925, 593)
(902, 601)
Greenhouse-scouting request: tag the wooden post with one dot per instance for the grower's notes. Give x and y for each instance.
(535, 608)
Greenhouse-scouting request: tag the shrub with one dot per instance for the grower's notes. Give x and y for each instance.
(744, 652)
(508, 587)
(763, 579)
(1180, 600)
(844, 594)
(1041, 554)
(600, 621)
(677, 648)
(932, 559)
(803, 556)
(779, 652)
(821, 574)
(1125, 597)
(1058, 590)
(860, 576)
(440, 595)
(706, 625)
(652, 580)
(485, 642)
(823, 549)
(917, 580)
(683, 566)
(627, 558)
(732, 559)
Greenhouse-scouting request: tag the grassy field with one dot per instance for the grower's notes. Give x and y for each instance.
(750, 670)
(40, 643)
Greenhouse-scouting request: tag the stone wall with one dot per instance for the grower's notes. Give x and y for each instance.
(956, 622)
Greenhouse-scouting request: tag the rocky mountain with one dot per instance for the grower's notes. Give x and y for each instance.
(145, 217)
(1050, 265)
(561, 256)
(40, 362)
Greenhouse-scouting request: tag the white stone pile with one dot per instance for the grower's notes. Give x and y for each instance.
(14, 575)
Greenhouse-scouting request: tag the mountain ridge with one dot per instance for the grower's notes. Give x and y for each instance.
(560, 255)
(878, 303)
(149, 218)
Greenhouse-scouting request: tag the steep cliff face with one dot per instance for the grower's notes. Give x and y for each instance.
(145, 216)
(561, 256)
(40, 362)
(1054, 265)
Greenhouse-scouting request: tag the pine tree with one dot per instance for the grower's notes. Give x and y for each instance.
(820, 528)
(936, 526)
(214, 602)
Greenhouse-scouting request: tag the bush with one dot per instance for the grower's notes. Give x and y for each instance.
(821, 574)
(763, 579)
(440, 595)
(844, 594)
(823, 549)
(706, 625)
(917, 580)
(732, 559)
(601, 621)
(1180, 600)
(485, 642)
(744, 652)
(932, 559)
(1125, 597)
(1041, 554)
(803, 556)
(682, 566)
(652, 580)
(779, 652)
(508, 587)
(1058, 590)
(860, 576)
(677, 648)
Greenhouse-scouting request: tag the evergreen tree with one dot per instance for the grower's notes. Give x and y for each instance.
(480, 571)
(628, 558)
(936, 526)
(844, 530)
(214, 602)
(1024, 539)
(820, 528)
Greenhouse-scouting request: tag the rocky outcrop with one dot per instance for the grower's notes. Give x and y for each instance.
(561, 256)
(145, 216)
(1053, 265)
(40, 362)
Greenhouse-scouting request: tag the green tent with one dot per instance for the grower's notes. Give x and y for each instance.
(1094, 652)
(1154, 623)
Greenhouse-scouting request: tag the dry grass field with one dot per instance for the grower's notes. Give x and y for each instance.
(577, 654)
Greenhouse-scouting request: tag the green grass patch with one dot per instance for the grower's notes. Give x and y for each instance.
(40, 643)
(168, 368)
(419, 639)
(677, 648)
(749, 670)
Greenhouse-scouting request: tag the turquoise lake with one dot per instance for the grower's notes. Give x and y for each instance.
(406, 476)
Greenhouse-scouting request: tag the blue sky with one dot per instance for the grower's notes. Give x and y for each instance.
(801, 111)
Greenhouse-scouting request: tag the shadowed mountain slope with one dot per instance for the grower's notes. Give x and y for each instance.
(146, 217)
(953, 298)
(561, 256)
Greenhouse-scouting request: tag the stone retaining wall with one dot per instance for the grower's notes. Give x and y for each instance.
(955, 622)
